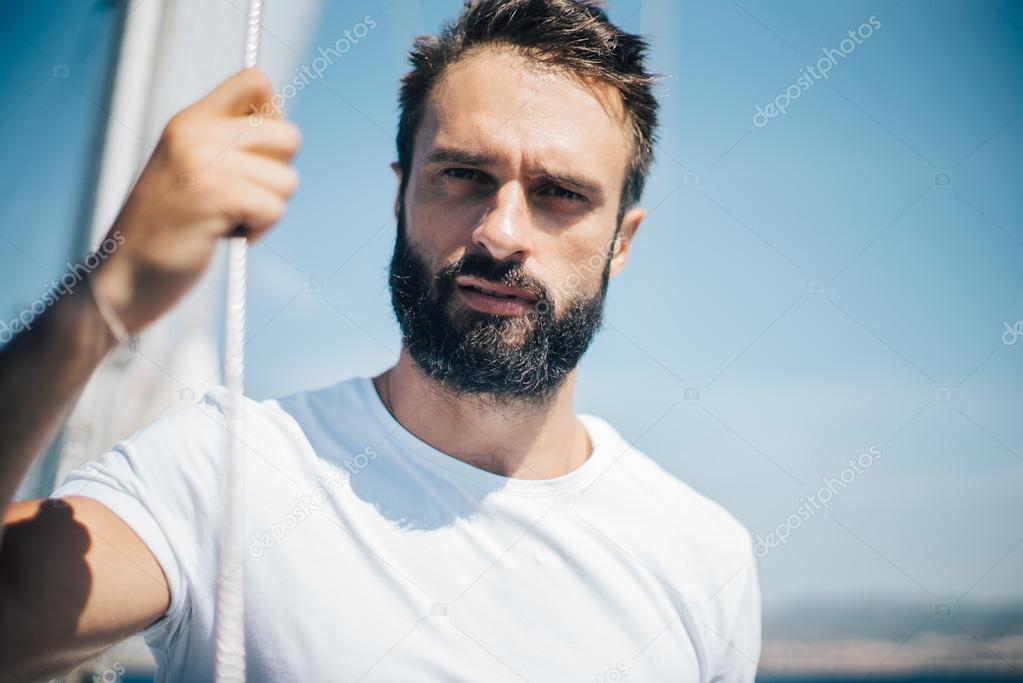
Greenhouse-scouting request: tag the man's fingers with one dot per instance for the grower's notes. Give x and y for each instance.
(271, 174)
(240, 146)
(243, 93)
(256, 208)
(275, 137)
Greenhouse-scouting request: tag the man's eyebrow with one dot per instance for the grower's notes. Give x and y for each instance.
(453, 155)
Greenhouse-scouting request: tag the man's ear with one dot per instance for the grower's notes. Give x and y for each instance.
(623, 242)
(396, 167)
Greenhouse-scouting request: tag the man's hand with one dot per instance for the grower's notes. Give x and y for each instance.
(215, 168)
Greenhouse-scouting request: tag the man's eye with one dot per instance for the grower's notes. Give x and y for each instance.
(562, 193)
(463, 173)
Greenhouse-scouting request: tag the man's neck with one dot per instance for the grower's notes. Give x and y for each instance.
(523, 440)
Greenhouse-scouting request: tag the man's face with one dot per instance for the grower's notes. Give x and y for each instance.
(508, 227)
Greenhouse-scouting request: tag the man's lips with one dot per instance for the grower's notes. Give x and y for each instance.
(494, 288)
(493, 297)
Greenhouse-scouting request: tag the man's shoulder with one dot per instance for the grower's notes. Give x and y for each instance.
(199, 430)
(214, 403)
(673, 511)
(349, 392)
(693, 509)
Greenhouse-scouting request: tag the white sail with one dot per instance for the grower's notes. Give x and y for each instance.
(172, 52)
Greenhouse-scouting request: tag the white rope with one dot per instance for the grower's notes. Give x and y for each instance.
(229, 620)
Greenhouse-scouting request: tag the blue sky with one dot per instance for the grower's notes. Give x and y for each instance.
(815, 281)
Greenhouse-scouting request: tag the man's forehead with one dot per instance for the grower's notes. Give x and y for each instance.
(500, 104)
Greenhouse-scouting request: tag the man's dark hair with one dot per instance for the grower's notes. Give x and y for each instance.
(573, 36)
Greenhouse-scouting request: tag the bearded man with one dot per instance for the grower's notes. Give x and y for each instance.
(451, 519)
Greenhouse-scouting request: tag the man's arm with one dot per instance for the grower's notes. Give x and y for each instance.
(76, 579)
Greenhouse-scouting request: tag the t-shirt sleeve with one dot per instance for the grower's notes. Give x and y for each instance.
(162, 482)
(741, 651)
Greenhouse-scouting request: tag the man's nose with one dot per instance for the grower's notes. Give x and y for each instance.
(505, 230)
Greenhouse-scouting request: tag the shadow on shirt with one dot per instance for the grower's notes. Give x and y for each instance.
(394, 478)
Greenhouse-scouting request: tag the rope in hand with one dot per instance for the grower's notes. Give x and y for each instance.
(229, 619)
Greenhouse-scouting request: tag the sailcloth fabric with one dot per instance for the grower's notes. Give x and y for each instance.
(172, 52)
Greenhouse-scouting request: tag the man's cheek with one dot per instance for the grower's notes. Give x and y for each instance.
(580, 280)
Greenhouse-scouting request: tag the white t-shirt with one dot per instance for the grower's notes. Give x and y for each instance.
(372, 556)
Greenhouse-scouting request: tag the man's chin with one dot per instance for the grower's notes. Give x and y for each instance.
(488, 332)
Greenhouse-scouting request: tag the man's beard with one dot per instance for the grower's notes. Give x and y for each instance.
(521, 359)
